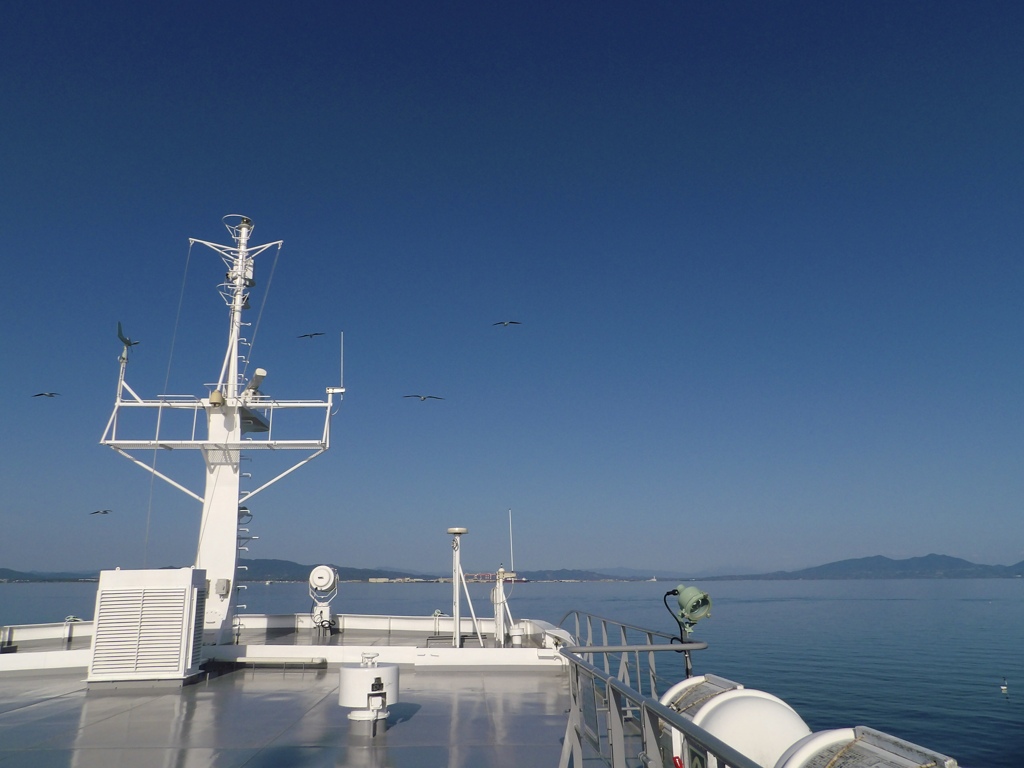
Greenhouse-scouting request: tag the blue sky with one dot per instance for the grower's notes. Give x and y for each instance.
(766, 257)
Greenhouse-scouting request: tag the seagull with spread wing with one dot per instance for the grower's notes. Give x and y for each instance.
(507, 323)
(425, 397)
(311, 335)
(100, 512)
(46, 394)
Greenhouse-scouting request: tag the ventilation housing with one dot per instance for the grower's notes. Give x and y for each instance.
(145, 626)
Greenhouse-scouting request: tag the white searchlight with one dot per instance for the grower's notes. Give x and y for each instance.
(323, 588)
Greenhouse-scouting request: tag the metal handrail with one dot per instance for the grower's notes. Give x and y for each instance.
(66, 635)
(636, 729)
(615, 622)
(630, 660)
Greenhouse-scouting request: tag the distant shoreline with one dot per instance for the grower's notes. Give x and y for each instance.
(857, 569)
(585, 581)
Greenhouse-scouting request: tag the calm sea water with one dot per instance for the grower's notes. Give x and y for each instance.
(922, 660)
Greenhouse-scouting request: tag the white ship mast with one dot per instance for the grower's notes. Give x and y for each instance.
(231, 411)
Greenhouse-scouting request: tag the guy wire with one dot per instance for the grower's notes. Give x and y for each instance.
(167, 380)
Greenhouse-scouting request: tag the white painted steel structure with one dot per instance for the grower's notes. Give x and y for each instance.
(237, 418)
(459, 578)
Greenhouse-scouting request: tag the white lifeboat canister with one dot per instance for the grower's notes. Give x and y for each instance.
(859, 747)
(752, 722)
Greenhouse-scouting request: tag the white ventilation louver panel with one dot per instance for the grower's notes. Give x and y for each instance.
(145, 625)
(197, 631)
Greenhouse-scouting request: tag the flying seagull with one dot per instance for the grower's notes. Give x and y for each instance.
(310, 335)
(124, 339)
(46, 394)
(100, 512)
(507, 323)
(425, 397)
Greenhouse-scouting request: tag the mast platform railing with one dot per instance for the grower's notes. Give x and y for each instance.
(255, 440)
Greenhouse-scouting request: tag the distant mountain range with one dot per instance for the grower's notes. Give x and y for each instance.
(286, 570)
(6, 574)
(877, 567)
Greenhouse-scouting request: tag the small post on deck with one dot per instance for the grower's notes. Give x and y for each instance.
(457, 534)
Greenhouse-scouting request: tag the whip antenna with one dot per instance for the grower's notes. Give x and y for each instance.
(511, 554)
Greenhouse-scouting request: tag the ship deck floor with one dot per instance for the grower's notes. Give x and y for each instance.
(273, 717)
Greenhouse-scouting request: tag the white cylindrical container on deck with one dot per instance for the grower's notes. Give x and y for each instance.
(368, 688)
